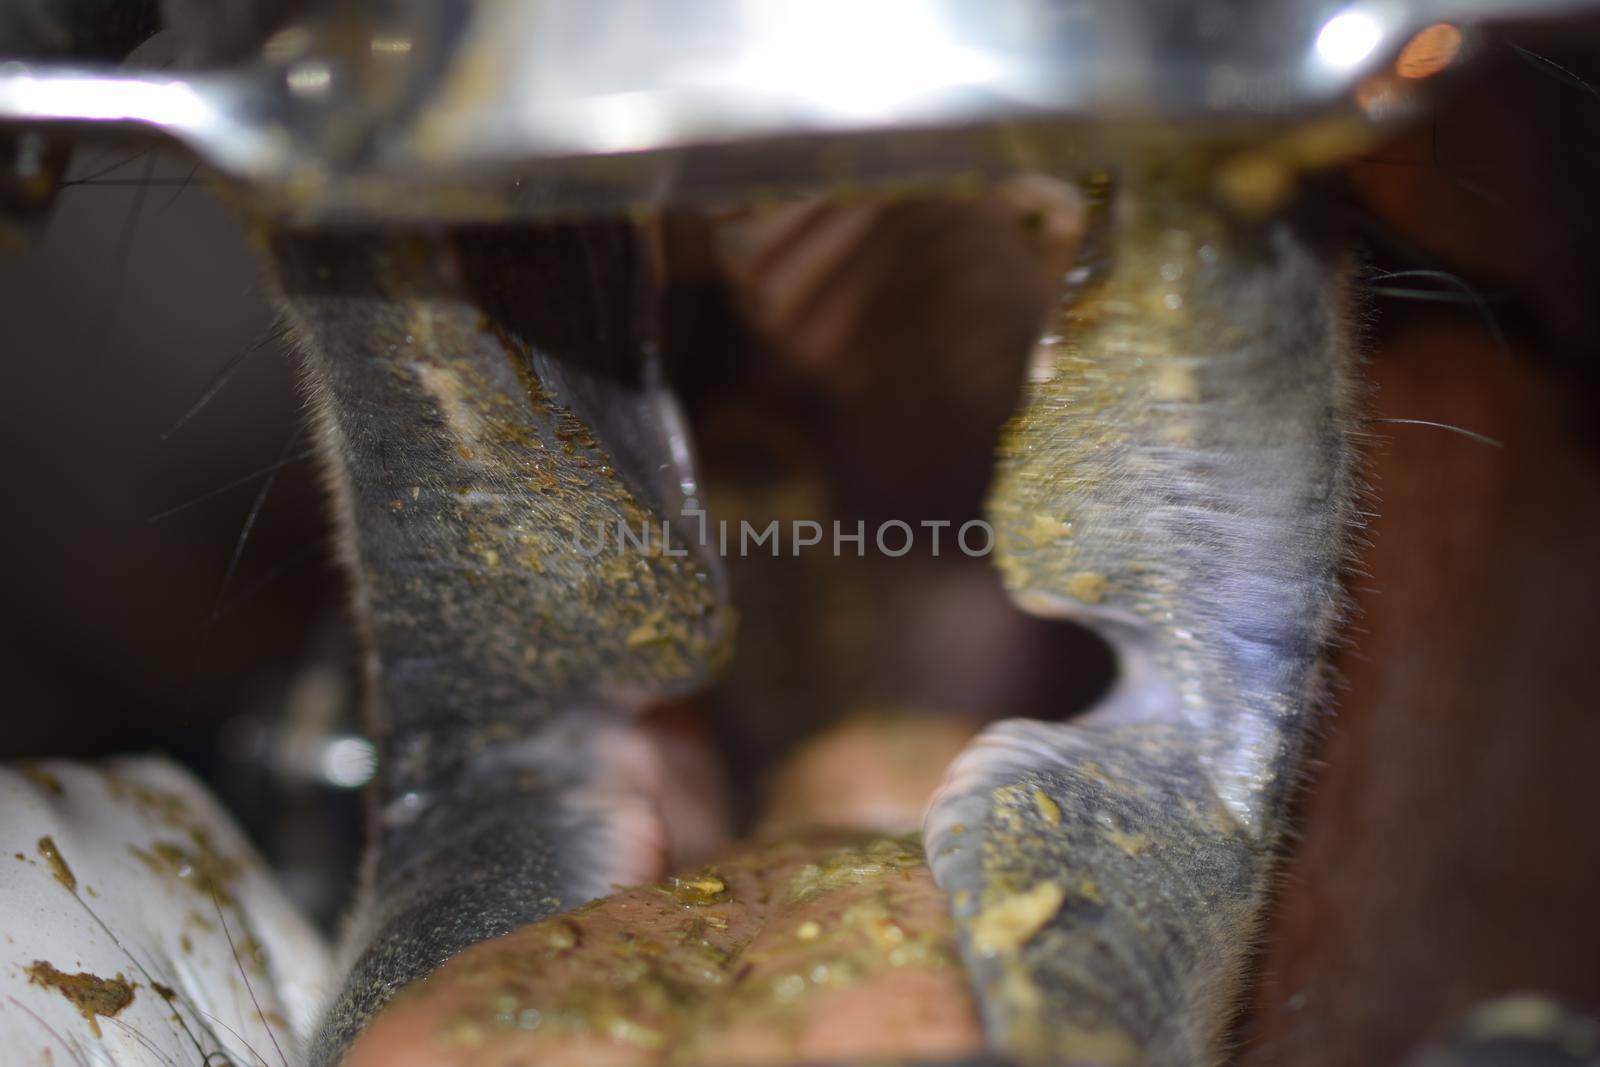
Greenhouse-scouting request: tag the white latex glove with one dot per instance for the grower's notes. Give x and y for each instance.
(128, 880)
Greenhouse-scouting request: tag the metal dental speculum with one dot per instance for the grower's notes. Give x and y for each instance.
(494, 109)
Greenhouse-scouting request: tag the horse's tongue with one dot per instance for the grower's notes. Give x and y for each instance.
(820, 947)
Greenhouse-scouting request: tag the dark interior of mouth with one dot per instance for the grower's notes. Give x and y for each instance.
(852, 373)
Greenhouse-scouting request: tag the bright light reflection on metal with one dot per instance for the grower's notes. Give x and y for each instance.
(1348, 38)
(171, 105)
(858, 59)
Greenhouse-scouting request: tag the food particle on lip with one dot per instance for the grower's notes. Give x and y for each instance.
(1009, 923)
(699, 890)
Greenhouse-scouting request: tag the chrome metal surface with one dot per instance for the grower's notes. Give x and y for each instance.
(483, 108)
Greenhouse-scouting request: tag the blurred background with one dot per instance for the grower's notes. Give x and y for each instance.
(138, 616)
